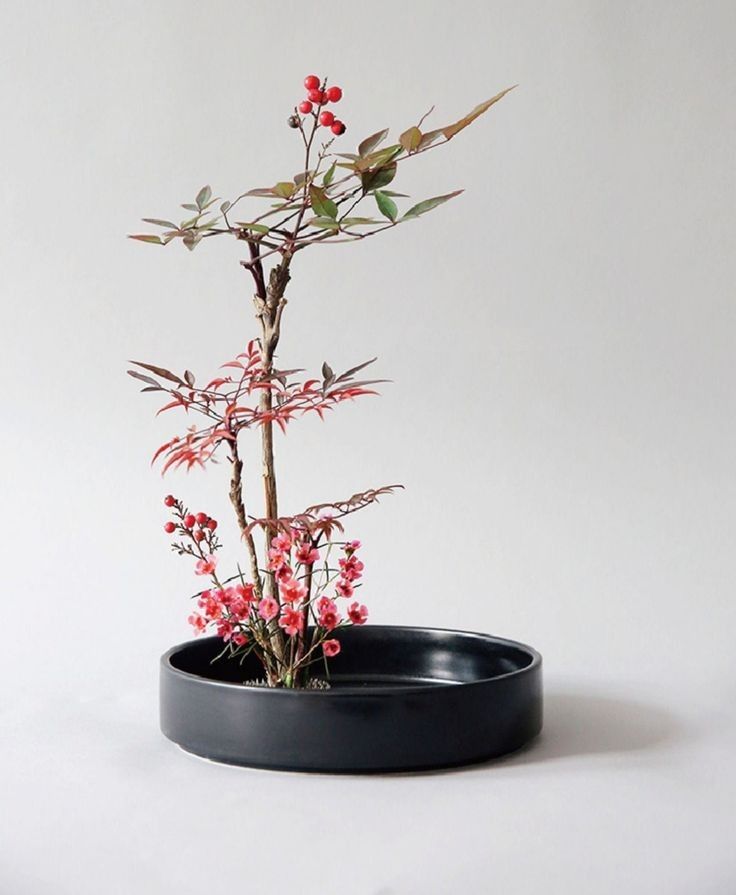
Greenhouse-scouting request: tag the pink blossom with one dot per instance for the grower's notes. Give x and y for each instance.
(351, 546)
(357, 613)
(239, 608)
(268, 608)
(281, 542)
(225, 595)
(331, 648)
(224, 629)
(276, 559)
(285, 573)
(292, 591)
(325, 604)
(344, 588)
(210, 605)
(206, 566)
(351, 568)
(197, 622)
(307, 554)
(329, 619)
(292, 621)
(246, 592)
(240, 639)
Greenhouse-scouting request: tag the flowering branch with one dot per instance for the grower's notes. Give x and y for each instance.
(296, 585)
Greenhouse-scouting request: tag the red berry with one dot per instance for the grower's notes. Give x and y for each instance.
(334, 94)
(311, 82)
(326, 118)
(306, 107)
(169, 528)
(189, 521)
(212, 524)
(338, 128)
(199, 535)
(317, 96)
(201, 518)
(170, 500)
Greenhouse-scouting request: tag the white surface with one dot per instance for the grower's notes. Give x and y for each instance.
(580, 483)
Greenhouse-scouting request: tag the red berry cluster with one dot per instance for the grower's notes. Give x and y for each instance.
(199, 527)
(318, 95)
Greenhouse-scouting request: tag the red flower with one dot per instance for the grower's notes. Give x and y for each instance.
(357, 613)
(307, 554)
(206, 566)
(329, 617)
(240, 639)
(292, 621)
(197, 622)
(344, 588)
(225, 629)
(268, 608)
(331, 648)
(292, 591)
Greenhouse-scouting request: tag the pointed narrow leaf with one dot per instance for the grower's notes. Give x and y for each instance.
(386, 205)
(159, 223)
(146, 237)
(261, 191)
(411, 139)
(455, 128)
(329, 175)
(370, 143)
(357, 222)
(203, 197)
(428, 205)
(159, 371)
(325, 223)
(147, 379)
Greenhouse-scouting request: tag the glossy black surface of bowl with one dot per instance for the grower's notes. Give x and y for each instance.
(400, 699)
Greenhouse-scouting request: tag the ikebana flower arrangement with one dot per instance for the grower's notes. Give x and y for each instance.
(288, 617)
(284, 609)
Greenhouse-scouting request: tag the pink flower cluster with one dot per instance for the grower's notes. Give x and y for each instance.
(228, 609)
(292, 559)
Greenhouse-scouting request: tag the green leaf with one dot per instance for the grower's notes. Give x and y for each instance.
(383, 156)
(378, 177)
(260, 191)
(411, 139)
(203, 197)
(455, 128)
(323, 206)
(370, 143)
(146, 237)
(325, 223)
(395, 195)
(189, 207)
(159, 223)
(285, 189)
(257, 228)
(356, 222)
(386, 205)
(428, 205)
(225, 207)
(329, 175)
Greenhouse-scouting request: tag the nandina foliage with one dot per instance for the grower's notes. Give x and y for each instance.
(287, 608)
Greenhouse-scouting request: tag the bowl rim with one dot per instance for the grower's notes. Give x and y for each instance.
(366, 690)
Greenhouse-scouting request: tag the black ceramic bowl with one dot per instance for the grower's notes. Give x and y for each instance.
(400, 699)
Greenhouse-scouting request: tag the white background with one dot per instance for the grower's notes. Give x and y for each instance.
(561, 340)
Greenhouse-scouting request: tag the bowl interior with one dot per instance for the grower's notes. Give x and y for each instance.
(378, 656)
